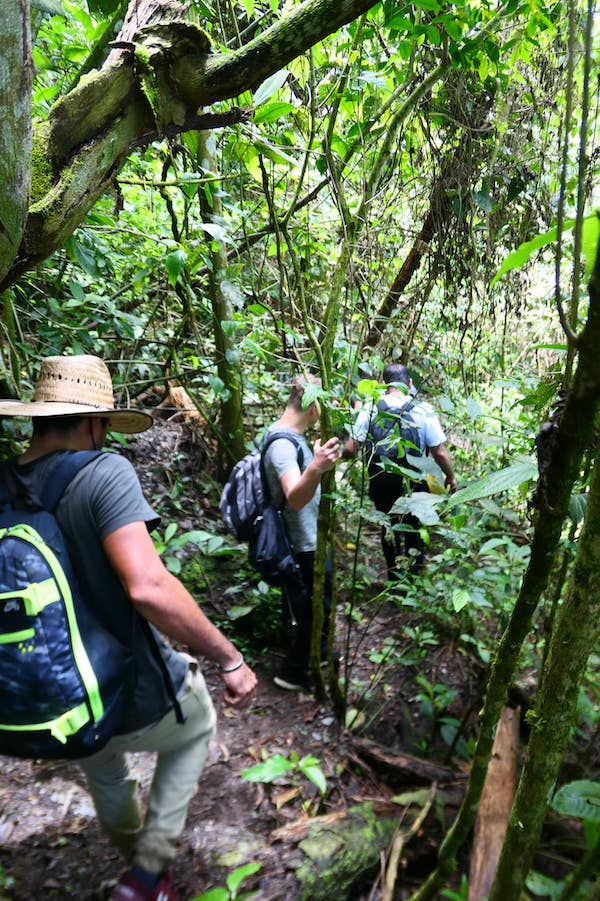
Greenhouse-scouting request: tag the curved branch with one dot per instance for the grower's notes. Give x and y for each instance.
(158, 74)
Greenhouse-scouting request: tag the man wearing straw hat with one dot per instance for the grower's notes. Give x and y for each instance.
(106, 522)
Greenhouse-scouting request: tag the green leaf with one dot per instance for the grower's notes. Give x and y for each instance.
(562, 348)
(218, 385)
(578, 799)
(496, 482)
(235, 879)
(311, 769)
(491, 544)
(483, 200)
(270, 112)
(369, 388)
(542, 885)
(473, 408)
(523, 253)
(214, 894)
(311, 394)
(170, 531)
(577, 507)
(270, 86)
(175, 263)
(275, 154)
(460, 599)
(420, 504)
(213, 229)
(268, 770)
(590, 241)
(238, 612)
(83, 254)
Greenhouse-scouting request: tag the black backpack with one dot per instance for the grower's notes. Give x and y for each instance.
(64, 678)
(393, 434)
(249, 514)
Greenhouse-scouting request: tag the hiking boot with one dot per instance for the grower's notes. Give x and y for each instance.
(301, 680)
(336, 657)
(129, 888)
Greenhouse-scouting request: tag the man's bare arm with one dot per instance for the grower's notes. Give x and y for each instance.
(164, 601)
(442, 458)
(298, 487)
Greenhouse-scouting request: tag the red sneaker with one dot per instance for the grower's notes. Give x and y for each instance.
(129, 888)
(165, 889)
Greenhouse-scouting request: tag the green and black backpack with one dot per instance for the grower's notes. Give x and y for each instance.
(64, 679)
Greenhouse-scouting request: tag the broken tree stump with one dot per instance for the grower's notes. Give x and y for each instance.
(494, 806)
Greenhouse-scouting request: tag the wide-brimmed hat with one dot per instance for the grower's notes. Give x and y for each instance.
(77, 386)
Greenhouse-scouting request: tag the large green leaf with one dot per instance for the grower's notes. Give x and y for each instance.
(578, 799)
(496, 482)
(270, 112)
(590, 241)
(577, 507)
(523, 253)
(270, 86)
(268, 770)
(235, 879)
(421, 505)
(175, 263)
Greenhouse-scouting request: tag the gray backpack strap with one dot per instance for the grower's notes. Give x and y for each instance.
(275, 436)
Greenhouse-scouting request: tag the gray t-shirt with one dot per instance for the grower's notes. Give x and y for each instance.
(103, 497)
(280, 457)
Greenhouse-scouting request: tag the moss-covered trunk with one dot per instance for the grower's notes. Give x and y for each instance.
(226, 354)
(573, 640)
(15, 134)
(159, 72)
(573, 435)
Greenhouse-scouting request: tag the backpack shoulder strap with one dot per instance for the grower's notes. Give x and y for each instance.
(13, 490)
(396, 410)
(275, 436)
(62, 474)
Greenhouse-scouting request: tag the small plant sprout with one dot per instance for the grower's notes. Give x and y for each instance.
(277, 765)
(229, 891)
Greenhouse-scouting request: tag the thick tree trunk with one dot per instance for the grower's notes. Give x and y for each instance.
(572, 436)
(15, 134)
(160, 72)
(573, 640)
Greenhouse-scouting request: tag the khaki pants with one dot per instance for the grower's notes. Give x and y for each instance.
(182, 748)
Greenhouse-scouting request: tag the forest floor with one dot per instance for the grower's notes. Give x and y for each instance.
(52, 847)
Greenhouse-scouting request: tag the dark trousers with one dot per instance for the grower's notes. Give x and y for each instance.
(296, 597)
(405, 542)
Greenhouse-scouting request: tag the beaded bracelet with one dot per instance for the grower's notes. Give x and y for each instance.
(232, 669)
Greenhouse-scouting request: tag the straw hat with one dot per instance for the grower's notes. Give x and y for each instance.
(78, 385)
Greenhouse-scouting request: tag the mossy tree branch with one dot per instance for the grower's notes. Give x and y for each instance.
(92, 130)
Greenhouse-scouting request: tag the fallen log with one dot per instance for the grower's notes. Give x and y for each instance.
(494, 806)
(412, 770)
(341, 850)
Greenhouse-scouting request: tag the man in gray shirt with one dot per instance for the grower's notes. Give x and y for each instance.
(300, 487)
(106, 520)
